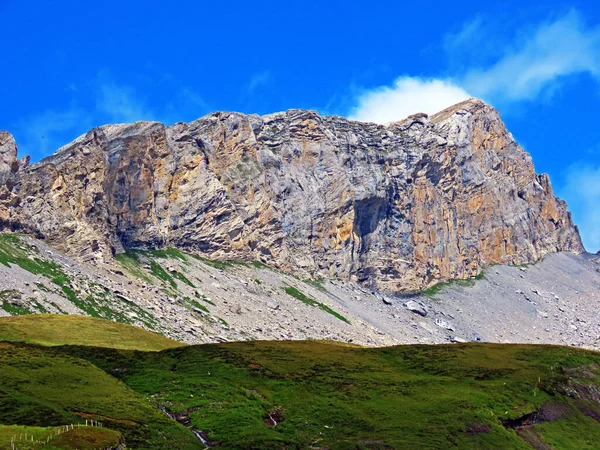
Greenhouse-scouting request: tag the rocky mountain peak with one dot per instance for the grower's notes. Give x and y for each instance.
(397, 207)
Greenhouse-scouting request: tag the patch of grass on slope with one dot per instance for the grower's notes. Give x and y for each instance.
(134, 261)
(169, 252)
(43, 387)
(99, 303)
(162, 274)
(130, 260)
(432, 291)
(221, 264)
(48, 329)
(13, 250)
(311, 302)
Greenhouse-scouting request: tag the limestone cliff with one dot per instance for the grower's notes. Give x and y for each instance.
(397, 207)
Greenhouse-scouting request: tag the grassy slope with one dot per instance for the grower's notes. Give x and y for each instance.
(42, 387)
(47, 438)
(342, 397)
(48, 329)
(331, 396)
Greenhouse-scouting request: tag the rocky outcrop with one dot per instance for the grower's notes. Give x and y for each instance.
(9, 177)
(398, 207)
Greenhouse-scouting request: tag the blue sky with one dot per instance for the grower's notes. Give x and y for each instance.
(68, 66)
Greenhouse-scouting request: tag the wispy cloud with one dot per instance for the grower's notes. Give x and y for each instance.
(532, 65)
(536, 62)
(258, 80)
(462, 40)
(582, 193)
(120, 104)
(186, 105)
(408, 95)
(42, 134)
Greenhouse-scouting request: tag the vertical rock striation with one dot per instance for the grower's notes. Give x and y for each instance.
(397, 207)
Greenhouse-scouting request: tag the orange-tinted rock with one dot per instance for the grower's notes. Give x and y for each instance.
(398, 207)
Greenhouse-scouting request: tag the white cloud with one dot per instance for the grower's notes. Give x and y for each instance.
(526, 67)
(582, 193)
(535, 63)
(408, 95)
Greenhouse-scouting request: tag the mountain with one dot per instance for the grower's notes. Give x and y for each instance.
(284, 233)
(296, 226)
(395, 208)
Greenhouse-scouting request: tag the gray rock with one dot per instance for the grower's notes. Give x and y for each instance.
(416, 308)
(443, 324)
(302, 192)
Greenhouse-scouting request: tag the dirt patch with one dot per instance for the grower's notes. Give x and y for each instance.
(274, 418)
(588, 411)
(533, 438)
(183, 417)
(524, 425)
(478, 428)
(548, 412)
(254, 366)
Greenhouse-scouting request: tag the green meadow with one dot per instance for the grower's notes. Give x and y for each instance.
(290, 395)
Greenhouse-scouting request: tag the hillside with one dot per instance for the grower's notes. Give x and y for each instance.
(197, 300)
(295, 395)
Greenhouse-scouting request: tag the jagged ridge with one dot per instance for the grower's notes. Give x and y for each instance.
(398, 207)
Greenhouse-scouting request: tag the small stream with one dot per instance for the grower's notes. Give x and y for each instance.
(183, 418)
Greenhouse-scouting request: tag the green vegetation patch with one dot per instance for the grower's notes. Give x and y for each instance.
(222, 264)
(204, 298)
(13, 250)
(87, 438)
(169, 253)
(575, 432)
(59, 329)
(162, 274)
(184, 279)
(16, 310)
(262, 265)
(130, 261)
(196, 304)
(318, 283)
(432, 291)
(309, 301)
(134, 261)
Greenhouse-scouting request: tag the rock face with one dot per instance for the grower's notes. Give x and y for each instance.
(398, 207)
